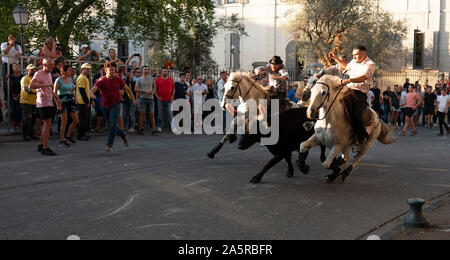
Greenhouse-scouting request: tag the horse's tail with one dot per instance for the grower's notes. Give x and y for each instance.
(386, 135)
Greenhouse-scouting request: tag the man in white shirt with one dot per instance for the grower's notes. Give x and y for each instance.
(12, 51)
(221, 85)
(220, 92)
(198, 95)
(360, 70)
(370, 98)
(442, 106)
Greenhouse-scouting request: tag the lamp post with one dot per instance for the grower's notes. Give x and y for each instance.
(21, 18)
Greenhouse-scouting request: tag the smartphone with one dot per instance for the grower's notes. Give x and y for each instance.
(136, 55)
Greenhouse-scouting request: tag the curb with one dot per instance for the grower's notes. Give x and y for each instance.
(389, 229)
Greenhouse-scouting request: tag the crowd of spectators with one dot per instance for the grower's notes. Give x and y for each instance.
(54, 97)
(75, 109)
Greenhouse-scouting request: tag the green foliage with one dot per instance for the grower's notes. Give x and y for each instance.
(334, 25)
(183, 30)
(71, 22)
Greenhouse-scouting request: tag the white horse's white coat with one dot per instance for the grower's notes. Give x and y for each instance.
(333, 130)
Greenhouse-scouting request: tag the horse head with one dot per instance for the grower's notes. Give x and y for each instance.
(322, 94)
(241, 85)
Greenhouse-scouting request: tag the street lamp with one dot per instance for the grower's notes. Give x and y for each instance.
(21, 18)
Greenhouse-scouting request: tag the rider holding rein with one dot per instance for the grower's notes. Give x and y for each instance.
(360, 70)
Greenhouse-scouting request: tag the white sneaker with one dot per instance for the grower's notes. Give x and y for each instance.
(131, 130)
(159, 129)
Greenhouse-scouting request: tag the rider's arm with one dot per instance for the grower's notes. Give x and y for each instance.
(262, 69)
(341, 63)
(359, 79)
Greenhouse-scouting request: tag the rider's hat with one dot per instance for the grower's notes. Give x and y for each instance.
(276, 60)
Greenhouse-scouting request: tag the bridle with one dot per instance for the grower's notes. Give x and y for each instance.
(328, 97)
(238, 87)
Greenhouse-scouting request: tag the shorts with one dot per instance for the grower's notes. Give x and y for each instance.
(68, 107)
(428, 110)
(146, 105)
(45, 113)
(396, 109)
(410, 112)
(418, 111)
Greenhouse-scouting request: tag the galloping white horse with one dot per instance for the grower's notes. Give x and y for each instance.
(335, 132)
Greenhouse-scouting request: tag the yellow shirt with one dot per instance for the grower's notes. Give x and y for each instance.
(26, 98)
(83, 82)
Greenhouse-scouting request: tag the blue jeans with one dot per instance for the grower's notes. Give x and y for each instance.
(387, 111)
(129, 115)
(167, 106)
(112, 116)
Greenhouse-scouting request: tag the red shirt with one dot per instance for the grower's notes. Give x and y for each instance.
(165, 88)
(110, 90)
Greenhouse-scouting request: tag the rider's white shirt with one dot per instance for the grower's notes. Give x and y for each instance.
(355, 70)
(370, 96)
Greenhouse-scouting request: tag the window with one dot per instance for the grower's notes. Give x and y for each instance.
(122, 49)
(419, 45)
(235, 52)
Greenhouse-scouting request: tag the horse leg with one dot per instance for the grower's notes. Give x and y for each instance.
(216, 149)
(229, 136)
(288, 159)
(276, 159)
(323, 157)
(363, 149)
(333, 163)
(304, 151)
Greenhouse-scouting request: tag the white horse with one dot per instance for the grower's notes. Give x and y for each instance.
(334, 131)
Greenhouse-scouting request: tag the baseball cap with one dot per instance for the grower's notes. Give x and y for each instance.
(31, 67)
(86, 66)
(84, 46)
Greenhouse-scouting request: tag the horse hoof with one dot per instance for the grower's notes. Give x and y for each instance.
(340, 162)
(210, 155)
(342, 178)
(290, 174)
(232, 139)
(329, 179)
(304, 169)
(255, 180)
(323, 158)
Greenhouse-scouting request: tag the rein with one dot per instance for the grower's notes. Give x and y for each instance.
(238, 87)
(328, 97)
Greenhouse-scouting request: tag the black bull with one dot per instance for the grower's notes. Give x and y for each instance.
(292, 133)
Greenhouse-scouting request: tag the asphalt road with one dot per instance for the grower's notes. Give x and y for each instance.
(165, 188)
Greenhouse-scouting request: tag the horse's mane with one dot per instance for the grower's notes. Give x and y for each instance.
(334, 81)
(239, 75)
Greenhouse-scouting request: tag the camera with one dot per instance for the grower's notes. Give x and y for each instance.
(58, 46)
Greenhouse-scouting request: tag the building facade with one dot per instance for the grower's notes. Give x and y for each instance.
(265, 22)
(426, 47)
(427, 44)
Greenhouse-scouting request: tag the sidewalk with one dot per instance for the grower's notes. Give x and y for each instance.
(439, 218)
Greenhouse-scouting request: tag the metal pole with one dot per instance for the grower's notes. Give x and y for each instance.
(23, 48)
(8, 97)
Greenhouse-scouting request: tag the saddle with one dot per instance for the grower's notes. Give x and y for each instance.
(348, 99)
(285, 103)
(367, 115)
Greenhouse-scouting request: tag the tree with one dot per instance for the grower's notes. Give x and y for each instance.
(70, 22)
(335, 25)
(181, 29)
